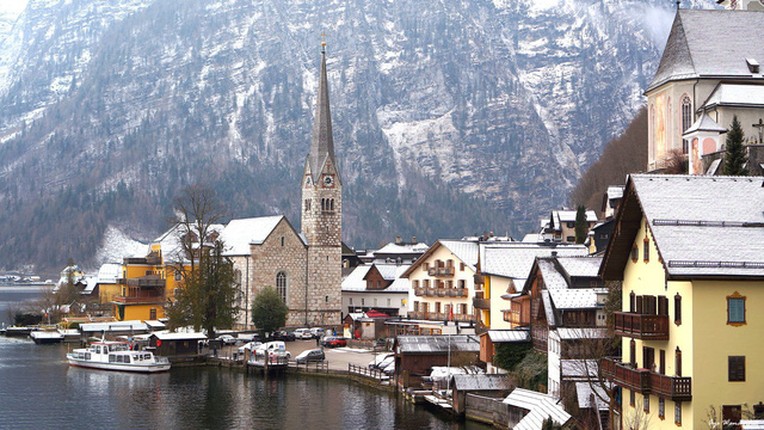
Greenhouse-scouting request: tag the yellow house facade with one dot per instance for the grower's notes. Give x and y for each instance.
(690, 253)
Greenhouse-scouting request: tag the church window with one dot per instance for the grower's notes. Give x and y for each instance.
(282, 240)
(686, 120)
(281, 285)
(307, 205)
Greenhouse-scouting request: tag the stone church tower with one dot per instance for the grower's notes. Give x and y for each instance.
(322, 216)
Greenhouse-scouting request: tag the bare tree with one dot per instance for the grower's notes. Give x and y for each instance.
(207, 299)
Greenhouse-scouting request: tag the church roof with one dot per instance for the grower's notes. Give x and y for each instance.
(711, 43)
(240, 233)
(322, 144)
(743, 95)
(704, 123)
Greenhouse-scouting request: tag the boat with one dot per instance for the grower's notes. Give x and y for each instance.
(113, 355)
(46, 336)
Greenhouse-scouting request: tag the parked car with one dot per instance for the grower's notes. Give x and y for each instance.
(303, 333)
(282, 335)
(310, 355)
(389, 369)
(334, 341)
(248, 337)
(227, 339)
(373, 364)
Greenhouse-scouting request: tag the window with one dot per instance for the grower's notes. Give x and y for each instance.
(388, 303)
(646, 403)
(307, 205)
(282, 240)
(736, 368)
(461, 267)
(635, 253)
(678, 413)
(350, 301)
(281, 285)
(570, 239)
(153, 313)
(633, 352)
(426, 266)
(678, 309)
(363, 302)
(661, 408)
(416, 283)
(646, 250)
(678, 361)
(736, 309)
(686, 120)
(632, 302)
(632, 398)
(460, 283)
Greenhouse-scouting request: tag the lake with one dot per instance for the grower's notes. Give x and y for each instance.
(39, 390)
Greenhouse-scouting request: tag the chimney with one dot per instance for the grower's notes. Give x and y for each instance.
(398, 240)
(413, 240)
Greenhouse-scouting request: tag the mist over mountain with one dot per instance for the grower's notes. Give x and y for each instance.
(450, 119)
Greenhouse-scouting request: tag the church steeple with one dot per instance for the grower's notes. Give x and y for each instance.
(322, 144)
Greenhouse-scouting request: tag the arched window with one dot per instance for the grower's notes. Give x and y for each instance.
(331, 204)
(281, 285)
(686, 120)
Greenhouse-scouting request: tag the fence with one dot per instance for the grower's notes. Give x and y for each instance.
(365, 372)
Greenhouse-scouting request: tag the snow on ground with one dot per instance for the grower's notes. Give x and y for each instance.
(116, 245)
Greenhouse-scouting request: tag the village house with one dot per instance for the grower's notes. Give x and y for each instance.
(561, 225)
(705, 77)
(416, 355)
(689, 251)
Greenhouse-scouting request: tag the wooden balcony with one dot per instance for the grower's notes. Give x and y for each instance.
(676, 388)
(644, 381)
(642, 326)
(140, 298)
(441, 271)
(481, 303)
(439, 316)
(457, 292)
(625, 375)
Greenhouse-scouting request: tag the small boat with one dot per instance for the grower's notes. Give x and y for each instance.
(46, 336)
(111, 355)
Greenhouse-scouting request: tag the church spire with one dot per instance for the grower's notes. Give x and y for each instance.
(322, 144)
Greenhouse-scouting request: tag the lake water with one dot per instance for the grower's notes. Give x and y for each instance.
(39, 390)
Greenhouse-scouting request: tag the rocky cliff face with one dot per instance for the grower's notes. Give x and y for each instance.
(448, 119)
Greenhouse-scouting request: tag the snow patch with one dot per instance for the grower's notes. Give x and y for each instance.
(117, 245)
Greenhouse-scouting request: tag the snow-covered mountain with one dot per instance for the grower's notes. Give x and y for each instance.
(449, 118)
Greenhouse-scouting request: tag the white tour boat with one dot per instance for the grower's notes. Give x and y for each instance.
(109, 355)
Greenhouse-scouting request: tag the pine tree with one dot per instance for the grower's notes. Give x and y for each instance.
(582, 227)
(734, 157)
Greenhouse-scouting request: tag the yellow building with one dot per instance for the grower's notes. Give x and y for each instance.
(146, 285)
(690, 253)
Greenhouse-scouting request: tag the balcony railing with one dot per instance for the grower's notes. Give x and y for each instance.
(439, 316)
(644, 381)
(441, 271)
(440, 292)
(641, 326)
(140, 298)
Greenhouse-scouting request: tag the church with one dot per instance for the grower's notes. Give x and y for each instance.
(305, 267)
(709, 73)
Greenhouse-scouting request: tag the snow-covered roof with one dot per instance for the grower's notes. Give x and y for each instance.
(515, 260)
(169, 241)
(704, 123)
(437, 344)
(572, 333)
(90, 283)
(509, 336)
(690, 215)
(155, 324)
(180, 336)
(355, 280)
(466, 251)
(541, 407)
(615, 192)
(749, 95)
(113, 326)
(699, 45)
(586, 393)
(580, 266)
(481, 382)
(393, 248)
(578, 368)
(533, 238)
(239, 234)
(399, 285)
(108, 273)
(570, 216)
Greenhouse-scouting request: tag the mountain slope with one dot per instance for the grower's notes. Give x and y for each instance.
(108, 108)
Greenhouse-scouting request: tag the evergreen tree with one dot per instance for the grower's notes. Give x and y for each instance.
(582, 227)
(734, 157)
(269, 312)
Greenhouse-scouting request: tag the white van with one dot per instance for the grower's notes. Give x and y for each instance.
(276, 348)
